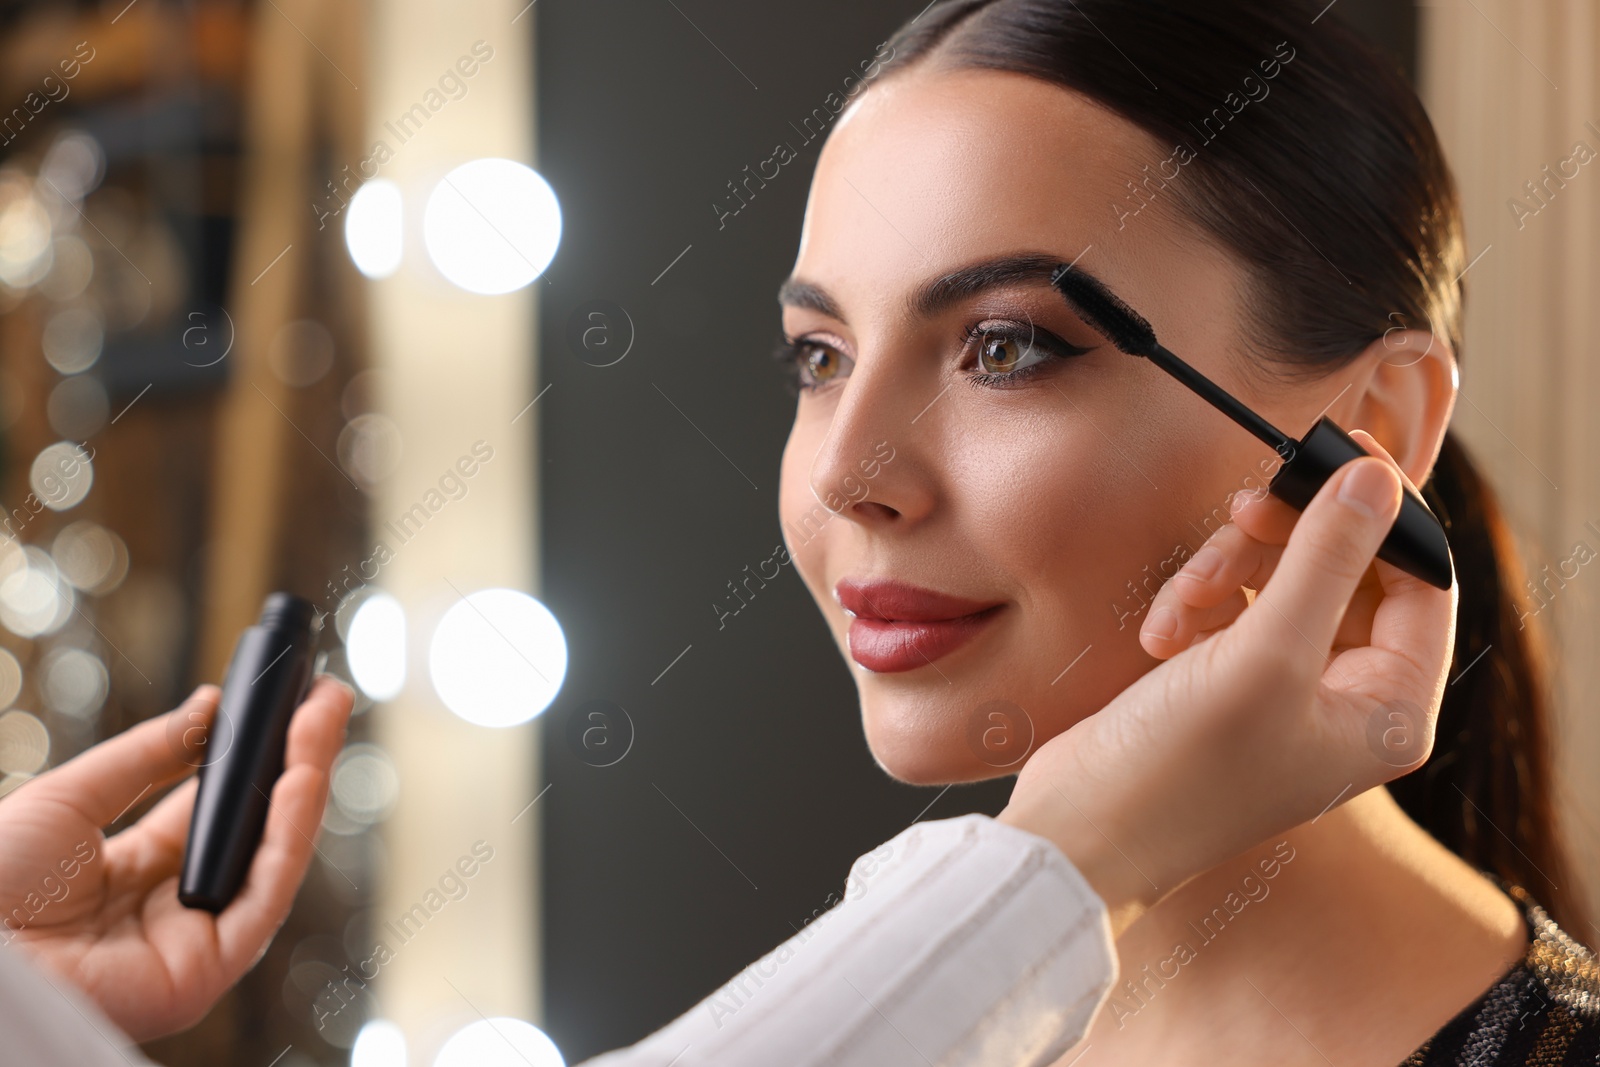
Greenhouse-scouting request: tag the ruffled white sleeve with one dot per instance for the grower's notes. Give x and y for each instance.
(48, 1023)
(959, 942)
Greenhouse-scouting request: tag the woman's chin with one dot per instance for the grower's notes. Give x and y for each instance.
(924, 755)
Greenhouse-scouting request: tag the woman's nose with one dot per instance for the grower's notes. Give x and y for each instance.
(869, 466)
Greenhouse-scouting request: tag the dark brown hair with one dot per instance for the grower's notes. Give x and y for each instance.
(1310, 158)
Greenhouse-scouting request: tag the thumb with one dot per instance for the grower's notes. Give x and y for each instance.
(1332, 545)
(108, 779)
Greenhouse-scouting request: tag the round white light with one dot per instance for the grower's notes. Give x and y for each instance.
(34, 598)
(376, 646)
(499, 1042)
(373, 228)
(61, 475)
(365, 783)
(492, 225)
(498, 657)
(379, 1044)
(75, 682)
(24, 743)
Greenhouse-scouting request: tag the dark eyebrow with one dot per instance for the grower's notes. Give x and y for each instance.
(939, 293)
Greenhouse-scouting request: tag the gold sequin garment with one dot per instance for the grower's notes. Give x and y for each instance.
(1545, 1011)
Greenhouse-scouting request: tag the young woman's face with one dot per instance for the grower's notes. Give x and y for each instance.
(1062, 497)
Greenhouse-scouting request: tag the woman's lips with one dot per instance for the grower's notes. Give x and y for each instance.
(900, 627)
(887, 646)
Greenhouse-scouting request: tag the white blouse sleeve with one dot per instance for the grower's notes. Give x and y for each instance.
(959, 942)
(48, 1022)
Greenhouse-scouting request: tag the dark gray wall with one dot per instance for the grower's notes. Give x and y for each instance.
(748, 788)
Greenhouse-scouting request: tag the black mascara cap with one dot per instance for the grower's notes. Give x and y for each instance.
(1415, 543)
(286, 611)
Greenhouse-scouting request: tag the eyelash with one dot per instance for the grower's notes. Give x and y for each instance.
(789, 352)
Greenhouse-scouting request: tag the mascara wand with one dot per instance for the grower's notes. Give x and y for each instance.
(1416, 543)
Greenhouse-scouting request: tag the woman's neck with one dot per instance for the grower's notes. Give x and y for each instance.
(1357, 915)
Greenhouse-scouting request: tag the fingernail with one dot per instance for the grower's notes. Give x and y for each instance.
(1162, 624)
(1241, 498)
(1368, 489)
(1203, 565)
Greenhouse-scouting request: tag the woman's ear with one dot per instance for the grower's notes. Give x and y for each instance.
(1404, 396)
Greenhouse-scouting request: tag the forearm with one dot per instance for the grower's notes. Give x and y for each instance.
(972, 942)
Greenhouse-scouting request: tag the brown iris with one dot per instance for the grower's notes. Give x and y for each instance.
(1000, 354)
(822, 362)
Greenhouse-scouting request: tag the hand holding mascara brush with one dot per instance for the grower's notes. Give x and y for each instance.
(1416, 543)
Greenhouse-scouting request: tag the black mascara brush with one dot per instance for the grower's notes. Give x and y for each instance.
(1415, 543)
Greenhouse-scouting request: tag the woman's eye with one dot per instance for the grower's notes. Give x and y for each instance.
(1007, 354)
(1002, 353)
(810, 364)
(821, 363)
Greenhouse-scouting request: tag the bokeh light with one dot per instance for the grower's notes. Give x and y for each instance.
(91, 557)
(499, 1042)
(492, 225)
(498, 657)
(34, 598)
(10, 678)
(25, 253)
(61, 475)
(374, 228)
(75, 682)
(72, 269)
(376, 646)
(379, 1044)
(78, 407)
(369, 448)
(73, 338)
(73, 165)
(301, 353)
(365, 783)
(24, 743)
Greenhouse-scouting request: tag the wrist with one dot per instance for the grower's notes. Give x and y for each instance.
(1125, 890)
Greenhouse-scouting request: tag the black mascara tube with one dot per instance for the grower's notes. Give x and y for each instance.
(267, 679)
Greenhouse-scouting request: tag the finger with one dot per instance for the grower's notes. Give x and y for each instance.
(294, 816)
(150, 851)
(1392, 580)
(1190, 595)
(1205, 594)
(1190, 625)
(1230, 559)
(164, 829)
(1331, 548)
(1270, 520)
(1370, 443)
(1413, 620)
(1265, 517)
(106, 780)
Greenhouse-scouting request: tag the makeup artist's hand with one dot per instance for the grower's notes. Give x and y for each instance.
(103, 913)
(1249, 727)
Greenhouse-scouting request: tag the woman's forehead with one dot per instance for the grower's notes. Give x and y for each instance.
(986, 147)
(931, 170)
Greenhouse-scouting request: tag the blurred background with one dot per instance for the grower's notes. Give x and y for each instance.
(453, 318)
